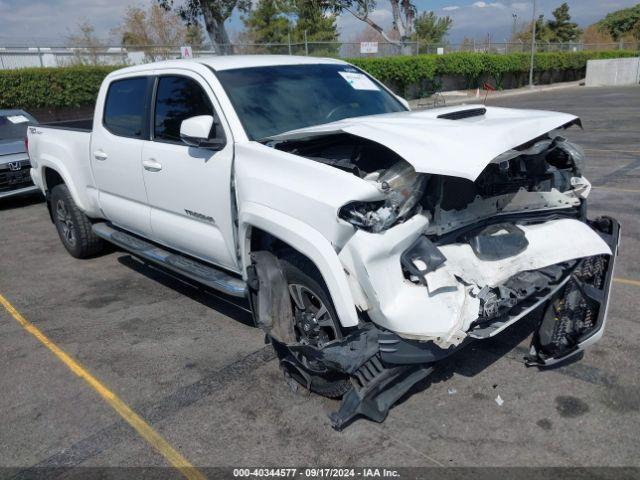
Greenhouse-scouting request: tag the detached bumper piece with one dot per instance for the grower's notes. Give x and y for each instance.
(371, 357)
(375, 389)
(576, 315)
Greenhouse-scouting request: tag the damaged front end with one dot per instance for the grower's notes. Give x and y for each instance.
(576, 315)
(439, 261)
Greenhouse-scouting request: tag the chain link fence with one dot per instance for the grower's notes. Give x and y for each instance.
(34, 56)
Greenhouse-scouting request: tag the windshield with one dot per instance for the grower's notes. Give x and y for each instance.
(13, 126)
(276, 99)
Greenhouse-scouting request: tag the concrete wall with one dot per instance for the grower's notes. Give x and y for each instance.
(616, 71)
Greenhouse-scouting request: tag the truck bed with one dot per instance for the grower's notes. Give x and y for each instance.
(65, 148)
(80, 125)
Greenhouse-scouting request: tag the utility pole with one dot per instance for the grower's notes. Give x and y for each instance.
(514, 31)
(533, 44)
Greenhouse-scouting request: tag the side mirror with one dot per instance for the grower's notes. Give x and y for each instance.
(196, 132)
(404, 102)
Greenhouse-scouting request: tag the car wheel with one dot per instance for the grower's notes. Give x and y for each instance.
(316, 322)
(74, 227)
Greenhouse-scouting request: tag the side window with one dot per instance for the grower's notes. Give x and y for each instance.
(177, 98)
(124, 110)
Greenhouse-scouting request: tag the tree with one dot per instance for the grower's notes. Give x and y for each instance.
(562, 29)
(275, 21)
(214, 14)
(155, 30)
(594, 35)
(542, 31)
(467, 45)
(267, 23)
(622, 22)
(430, 28)
(403, 12)
(315, 23)
(155, 27)
(313, 17)
(86, 44)
(366, 34)
(193, 36)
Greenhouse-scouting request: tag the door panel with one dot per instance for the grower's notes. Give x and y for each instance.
(188, 188)
(116, 155)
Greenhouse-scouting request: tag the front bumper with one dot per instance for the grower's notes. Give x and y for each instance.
(443, 304)
(384, 366)
(589, 296)
(576, 316)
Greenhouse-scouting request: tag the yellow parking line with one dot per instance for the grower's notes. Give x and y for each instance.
(132, 418)
(626, 281)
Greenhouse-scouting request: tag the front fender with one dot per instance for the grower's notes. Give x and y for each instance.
(308, 242)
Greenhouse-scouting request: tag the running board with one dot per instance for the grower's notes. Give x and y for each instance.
(193, 269)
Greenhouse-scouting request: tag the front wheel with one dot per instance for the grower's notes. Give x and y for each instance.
(74, 227)
(315, 323)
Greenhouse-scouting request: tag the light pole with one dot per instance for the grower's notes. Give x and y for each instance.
(533, 44)
(513, 30)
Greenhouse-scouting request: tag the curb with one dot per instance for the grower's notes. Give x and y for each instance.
(457, 100)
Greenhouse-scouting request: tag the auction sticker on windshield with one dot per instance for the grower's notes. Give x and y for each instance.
(359, 81)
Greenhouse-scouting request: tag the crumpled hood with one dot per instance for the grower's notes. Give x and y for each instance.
(460, 148)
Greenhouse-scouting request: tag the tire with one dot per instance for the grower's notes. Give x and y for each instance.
(299, 271)
(74, 227)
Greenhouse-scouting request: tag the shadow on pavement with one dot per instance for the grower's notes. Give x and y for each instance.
(21, 201)
(234, 308)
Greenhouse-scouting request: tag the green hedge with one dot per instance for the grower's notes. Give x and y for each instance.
(51, 87)
(77, 86)
(401, 72)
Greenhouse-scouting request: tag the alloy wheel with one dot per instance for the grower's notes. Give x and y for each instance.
(314, 324)
(65, 222)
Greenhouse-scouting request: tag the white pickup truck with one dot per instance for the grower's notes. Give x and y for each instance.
(371, 241)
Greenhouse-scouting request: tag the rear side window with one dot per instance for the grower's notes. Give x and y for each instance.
(177, 98)
(124, 110)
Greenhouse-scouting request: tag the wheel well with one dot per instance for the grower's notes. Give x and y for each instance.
(262, 240)
(51, 178)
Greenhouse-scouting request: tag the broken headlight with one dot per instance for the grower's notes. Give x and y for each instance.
(572, 151)
(403, 188)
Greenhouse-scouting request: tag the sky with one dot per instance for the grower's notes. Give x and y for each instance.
(48, 22)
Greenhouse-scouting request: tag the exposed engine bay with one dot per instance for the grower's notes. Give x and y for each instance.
(486, 250)
(544, 174)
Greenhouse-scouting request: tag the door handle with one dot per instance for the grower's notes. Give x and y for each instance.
(151, 165)
(100, 155)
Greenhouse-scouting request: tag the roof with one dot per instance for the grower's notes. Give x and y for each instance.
(229, 62)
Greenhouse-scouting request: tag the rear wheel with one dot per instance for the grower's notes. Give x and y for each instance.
(74, 227)
(316, 323)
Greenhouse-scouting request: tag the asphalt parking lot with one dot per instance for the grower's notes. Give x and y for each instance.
(191, 364)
